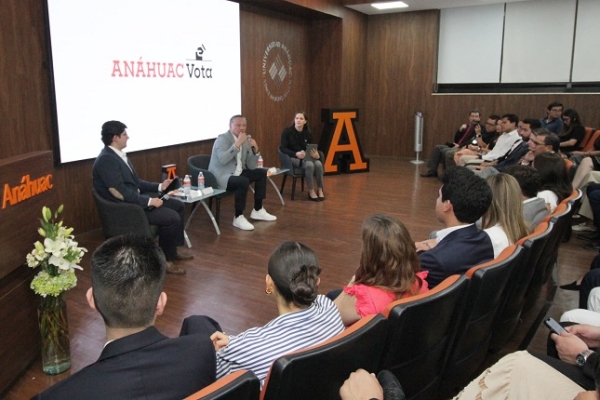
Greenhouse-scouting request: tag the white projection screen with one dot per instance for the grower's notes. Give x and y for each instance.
(168, 69)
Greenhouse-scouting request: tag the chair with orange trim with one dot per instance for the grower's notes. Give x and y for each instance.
(484, 298)
(318, 372)
(239, 385)
(573, 200)
(560, 220)
(516, 288)
(420, 334)
(589, 138)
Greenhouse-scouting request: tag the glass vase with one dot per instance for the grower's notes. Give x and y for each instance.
(54, 328)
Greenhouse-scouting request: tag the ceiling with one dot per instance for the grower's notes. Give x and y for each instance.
(415, 5)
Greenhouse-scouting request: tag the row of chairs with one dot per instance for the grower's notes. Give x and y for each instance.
(433, 343)
(589, 138)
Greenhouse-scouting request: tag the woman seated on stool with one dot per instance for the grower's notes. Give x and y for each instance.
(305, 318)
(388, 270)
(294, 139)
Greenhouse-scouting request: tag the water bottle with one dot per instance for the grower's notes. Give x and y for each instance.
(200, 180)
(187, 185)
(260, 162)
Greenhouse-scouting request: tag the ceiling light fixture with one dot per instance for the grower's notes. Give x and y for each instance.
(389, 5)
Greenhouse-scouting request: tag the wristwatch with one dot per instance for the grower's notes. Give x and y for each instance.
(582, 357)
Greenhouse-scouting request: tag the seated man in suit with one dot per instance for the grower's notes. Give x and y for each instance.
(234, 163)
(138, 362)
(115, 179)
(534, 208)
(462, 200)
(519, 154)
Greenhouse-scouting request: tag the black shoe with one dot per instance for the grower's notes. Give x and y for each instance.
(592, 246)
(313, 198)
(429, 174)
(571, 286)
(590, 237)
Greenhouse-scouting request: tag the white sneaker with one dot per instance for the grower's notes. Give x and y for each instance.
(242, 223)
(262, 215)
(583, 227)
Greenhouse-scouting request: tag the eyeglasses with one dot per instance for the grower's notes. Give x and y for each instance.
(537, 143)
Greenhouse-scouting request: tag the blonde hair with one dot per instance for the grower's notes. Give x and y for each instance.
(506, 208)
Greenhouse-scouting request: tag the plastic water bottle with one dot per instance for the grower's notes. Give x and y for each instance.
(187, 185)
(260, 162)
(200, 180)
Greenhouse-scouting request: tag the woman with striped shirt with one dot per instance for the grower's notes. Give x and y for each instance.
(305, 318)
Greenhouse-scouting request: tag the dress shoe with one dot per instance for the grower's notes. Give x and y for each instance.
(321, 198)
(313, 198)
(429, 174)
(173, 269)
(592, 246)
(589, 237)
(571, 286)
(183, 256)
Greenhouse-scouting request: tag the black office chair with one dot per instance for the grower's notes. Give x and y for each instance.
(294, 172)
(239, 385)
(120, 218)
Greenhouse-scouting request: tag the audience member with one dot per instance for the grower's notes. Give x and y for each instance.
(553, 122)
(294, 139)
(361, 385)
(234, 163)
(521, 375)
(484, 138)
(503, 145)
(587, 161)
(115, 179)
(473, 151)
(388, 270)
(462, 137)
(462, 200)
(544, 141)
(520, 153)
(305, 318)
(590, 315)
(137, 362)
(504, 221)
(556, 185)
(573, 131)
(534, 208)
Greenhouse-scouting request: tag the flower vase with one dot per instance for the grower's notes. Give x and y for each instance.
(54, 328)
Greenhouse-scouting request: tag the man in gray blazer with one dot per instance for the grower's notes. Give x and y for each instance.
(234, 163)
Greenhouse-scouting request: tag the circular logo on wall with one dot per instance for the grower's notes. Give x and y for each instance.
(277, 71)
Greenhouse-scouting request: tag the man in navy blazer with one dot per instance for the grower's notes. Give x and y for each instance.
(462, 200)
(138, 362)
(234, 161)
(115, 179)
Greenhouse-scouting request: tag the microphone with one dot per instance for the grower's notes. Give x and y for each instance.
(248, 137)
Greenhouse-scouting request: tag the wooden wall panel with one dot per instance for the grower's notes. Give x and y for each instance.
(266, 117)
(400, 76)
(24, 99)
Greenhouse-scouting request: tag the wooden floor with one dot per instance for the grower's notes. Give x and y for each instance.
(226, 278)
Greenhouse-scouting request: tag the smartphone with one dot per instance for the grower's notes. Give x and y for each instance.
(554, 326)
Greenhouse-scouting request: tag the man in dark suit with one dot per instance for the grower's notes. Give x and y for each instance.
(462, 200)
(138, 362)
(115, 179)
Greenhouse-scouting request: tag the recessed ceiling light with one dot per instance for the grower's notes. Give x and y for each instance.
(389, 5)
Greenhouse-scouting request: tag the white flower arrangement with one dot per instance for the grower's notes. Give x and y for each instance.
(59, 256)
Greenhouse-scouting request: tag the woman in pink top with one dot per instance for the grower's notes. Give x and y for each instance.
(388, 270)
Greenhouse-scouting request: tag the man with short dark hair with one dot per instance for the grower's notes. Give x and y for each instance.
(544, 141)
(534, 208)
(553, 121)
(462, 200)
(234, 162)
(115, 179)
(462, 137)
(137, 362)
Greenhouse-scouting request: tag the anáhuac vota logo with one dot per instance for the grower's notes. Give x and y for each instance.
(193, 68)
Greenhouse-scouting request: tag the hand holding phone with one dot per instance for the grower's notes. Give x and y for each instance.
(554, 326)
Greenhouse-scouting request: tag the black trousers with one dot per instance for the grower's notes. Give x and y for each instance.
(241, 183)
(169, 219)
